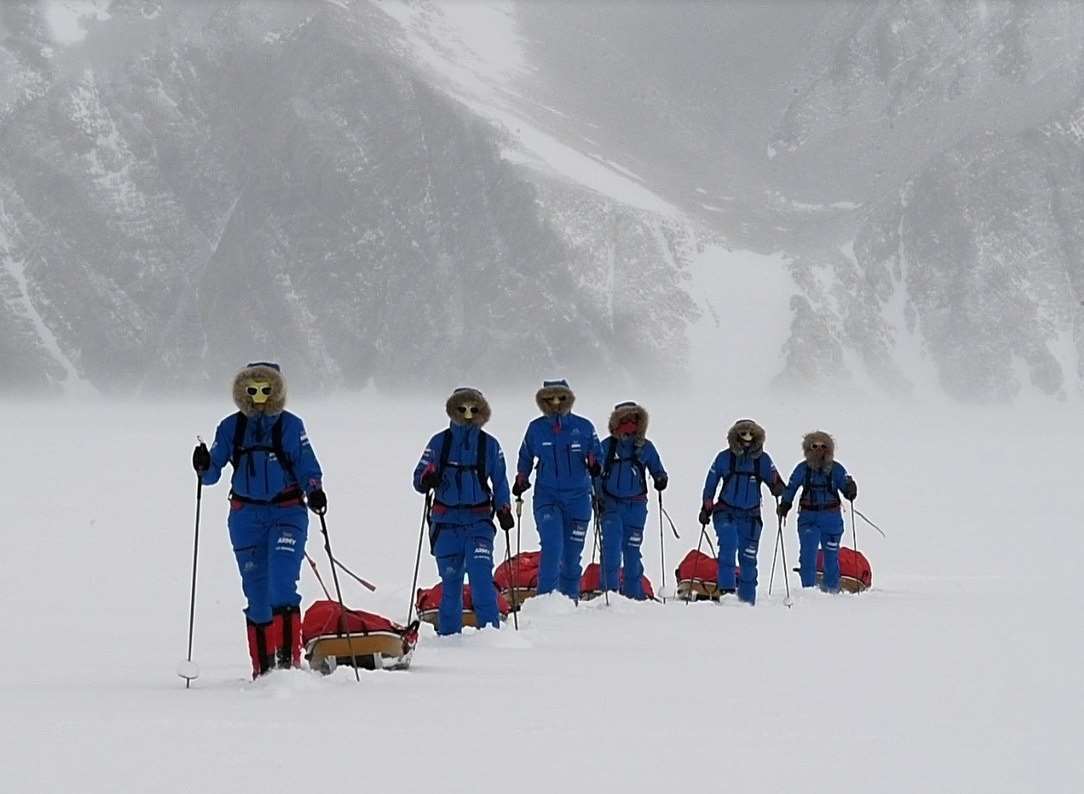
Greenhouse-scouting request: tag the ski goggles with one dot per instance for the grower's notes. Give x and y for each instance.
(745, 435)
(259, 391)
(468, 410)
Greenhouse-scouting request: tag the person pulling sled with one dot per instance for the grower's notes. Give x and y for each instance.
(627, 458)
(567, 452)
(742, 469)
(822, 480)
(275, 474)
(464, 467)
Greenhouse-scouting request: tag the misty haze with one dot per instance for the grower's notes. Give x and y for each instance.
(712, 226)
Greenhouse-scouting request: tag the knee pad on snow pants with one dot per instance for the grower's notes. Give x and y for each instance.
(269, 545)
(465, 550)
(562, 529)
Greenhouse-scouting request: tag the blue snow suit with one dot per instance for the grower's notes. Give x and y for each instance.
(736, 515)
(623, 487)
(461, 527)
(820, 522)
(564, 446)
(268, 520)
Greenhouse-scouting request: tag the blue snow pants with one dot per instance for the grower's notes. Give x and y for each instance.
(822, 528)
(269, 544)
(622, 535)
(739, 535)
(466, 549)
(562, 519)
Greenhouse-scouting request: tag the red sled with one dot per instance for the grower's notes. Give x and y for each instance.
(333, 635)
(698, 577)
(427, 603)
(855, 574)
(520, 572)
(591, 583)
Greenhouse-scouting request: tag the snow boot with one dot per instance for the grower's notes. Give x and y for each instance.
(287, 630)
(261, 647)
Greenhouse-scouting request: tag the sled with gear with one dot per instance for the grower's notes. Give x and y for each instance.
(427, 602)
(591, 583)
(521, 573)
(333, 636)
(855, 574)
(698, 577)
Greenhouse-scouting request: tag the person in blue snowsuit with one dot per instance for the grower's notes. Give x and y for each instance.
(464, 467)
(820, 523)
(567, 452)
(742, 469)
(627, 458)
(275, 474)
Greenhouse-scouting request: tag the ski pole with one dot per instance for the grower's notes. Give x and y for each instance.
(519, 522)
(854, 530)
(418, 557)
(786, 575)
(189, 670)
(338, 593)
(601, 556)
(508, 568)
(775, 554)
(696, 563)
(662, 554)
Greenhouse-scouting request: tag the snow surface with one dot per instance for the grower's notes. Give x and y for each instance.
(959, 671)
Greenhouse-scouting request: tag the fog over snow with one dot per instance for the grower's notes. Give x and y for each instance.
(865, 218)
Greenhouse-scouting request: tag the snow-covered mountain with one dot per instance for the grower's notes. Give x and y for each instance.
(406, 191)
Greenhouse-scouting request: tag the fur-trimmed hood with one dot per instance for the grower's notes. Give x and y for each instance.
(265, 371)
(630, 410)
(732, 440)
(467, 395)
(550, 389)
(818, 459)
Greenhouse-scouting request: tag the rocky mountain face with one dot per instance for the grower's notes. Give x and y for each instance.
(197, 184)
(199, 181)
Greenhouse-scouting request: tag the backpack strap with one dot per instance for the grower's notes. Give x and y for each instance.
(238, 438)
(607, 466)
(445, 450)
(480, 470)
(280, 451)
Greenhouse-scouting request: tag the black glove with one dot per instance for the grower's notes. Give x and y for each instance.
(594, 468)
(783, 509)
(849, 489)
(505, 519)
(705, 515)
(661, 482)
(520, 485)
(430, 479)
(201, 458)
(318, 501)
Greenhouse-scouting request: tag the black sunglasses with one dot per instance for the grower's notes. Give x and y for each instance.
(818, 445)
(464, 408)
(252, 390)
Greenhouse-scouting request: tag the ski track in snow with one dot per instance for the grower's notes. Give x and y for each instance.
(959, 671)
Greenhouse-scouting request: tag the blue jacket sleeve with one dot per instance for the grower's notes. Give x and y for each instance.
(652, 461)
(711, 483)
(221, 450)
(429, 458)
(770, 475)
(839, 476)
(594, 454)
(797, 477)
(526, 455)
(498, 476)
(306, 466)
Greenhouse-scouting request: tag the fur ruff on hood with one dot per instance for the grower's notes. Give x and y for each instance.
(553, 388)
(265, 372)
(624, 411)
(465, 395)
(732, 440)
(822, 461)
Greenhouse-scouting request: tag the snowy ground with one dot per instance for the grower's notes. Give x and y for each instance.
(960, 671)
